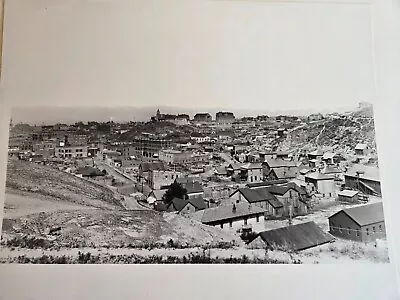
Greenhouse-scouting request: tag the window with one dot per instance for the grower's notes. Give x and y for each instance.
(188, 208)
(373, 229)
(245, 221)
(255, 178)
(367, 231)
(251, 178)
(380, 228)
(358, 232)
(237, 201)
(348, 230)
(258, 219)
(230, 224)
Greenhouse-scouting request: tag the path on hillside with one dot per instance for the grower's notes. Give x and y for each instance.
(17, 205)
(118, 175)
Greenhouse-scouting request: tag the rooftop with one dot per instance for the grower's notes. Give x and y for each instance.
(221, 213)
(279, 163)
(260, 194)
(296, 237)
(365, 214)
(366, 172)
(318, 176)
(348, 193)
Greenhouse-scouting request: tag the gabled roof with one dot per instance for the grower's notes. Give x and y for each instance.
(279, 163)
(221, 213)
(284, 173)
(319, 176)
(296, 237)
(365, 214)
(198, 203)
(279, 190)
(176, 204)
(158, 194)
(236, 166)
(259, 195)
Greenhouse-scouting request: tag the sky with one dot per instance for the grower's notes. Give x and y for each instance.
(189, 54)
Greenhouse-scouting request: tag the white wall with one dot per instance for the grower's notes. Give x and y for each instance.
(239, 223)
(326, 186)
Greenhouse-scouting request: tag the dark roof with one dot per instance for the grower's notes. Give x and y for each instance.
(279, 189)
(259, 195)
(221, 213)
(160, 206)
(365, 214)
(284, 173)
(266, 183)
(296, 237)
(150, 166)
(198, 203)
(192, 187)
(89, 171)
(176, 204)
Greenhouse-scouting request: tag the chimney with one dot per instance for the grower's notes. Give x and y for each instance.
(234, 208)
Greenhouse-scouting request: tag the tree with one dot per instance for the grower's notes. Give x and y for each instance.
(175, 190)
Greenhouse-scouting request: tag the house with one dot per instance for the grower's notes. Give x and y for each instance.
(171, 157)
(315, 155)
(292, 197)
(265, 183)
(361, 149)
(364, 179)
(281, 132)
(361, 223)
(348, 196)
(321, 183)
(186, 206)
(235, 217)
(234, 169)
(331, 170)
(251, 172)
(329, 158)
(296, 238)
(284, 169)
(259, 197)
(282, 155)
(155, 196)
(282, 174)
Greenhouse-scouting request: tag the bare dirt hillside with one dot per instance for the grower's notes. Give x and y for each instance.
(104, 228)
(44, 180)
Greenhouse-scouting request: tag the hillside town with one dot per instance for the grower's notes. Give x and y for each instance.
(287, 184)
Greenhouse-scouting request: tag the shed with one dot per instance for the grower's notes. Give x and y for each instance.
(296, 237)
(348, 196)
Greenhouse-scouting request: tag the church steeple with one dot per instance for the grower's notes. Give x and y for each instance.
(158, 115)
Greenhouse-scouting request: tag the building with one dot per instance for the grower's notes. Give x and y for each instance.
(316, 155)
(202, 118)
(146, 147)
(161, 179)
(364, 179)
(76, 139)
(348, 196)
(315, 117)
(291, 238)
(186, 206)
(172, 157)
(200, 138)
(361, 223)
(146, 167)
(224, 119)
(251, 172)
(361, 149)
(71, 152)
(275, 169)
(235, 217)
(277, 200)
(321, 183)
(193, 189)
(329, 158)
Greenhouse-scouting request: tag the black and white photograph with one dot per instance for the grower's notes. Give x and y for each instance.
(206, 132)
